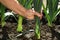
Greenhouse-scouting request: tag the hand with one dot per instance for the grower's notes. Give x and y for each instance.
(19, 9)
(29, 14)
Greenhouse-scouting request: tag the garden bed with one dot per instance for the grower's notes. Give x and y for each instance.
(8, 32)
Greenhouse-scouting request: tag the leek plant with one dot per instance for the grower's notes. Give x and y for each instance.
(27, 5)
(2, 11)
(37, 7)
(53, 11)
(2, 22)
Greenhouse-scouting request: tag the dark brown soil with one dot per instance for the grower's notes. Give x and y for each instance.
(10, 29)
(8, 32)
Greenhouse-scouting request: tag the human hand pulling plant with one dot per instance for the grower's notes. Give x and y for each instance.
(19, 9)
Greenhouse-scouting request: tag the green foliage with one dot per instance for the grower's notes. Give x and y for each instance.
(27, 5)
(53, 11)
(37, 7)
(2, 11)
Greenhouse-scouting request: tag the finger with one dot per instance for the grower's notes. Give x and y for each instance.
(30, 18)
(30, 10)
(39, 15)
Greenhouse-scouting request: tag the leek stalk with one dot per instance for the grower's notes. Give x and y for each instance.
(37, 7)
(27, 5)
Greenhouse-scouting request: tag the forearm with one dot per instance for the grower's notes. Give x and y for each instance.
(13, 5)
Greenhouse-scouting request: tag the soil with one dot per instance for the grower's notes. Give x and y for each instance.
(8, 32)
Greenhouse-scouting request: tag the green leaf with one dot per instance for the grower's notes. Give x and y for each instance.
(2, 11)
(28, 4)
(53, 11)
(47, 15)
(37, 5)
(55, 14)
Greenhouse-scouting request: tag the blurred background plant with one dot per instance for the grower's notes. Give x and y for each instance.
(2, 15)
(53, 11)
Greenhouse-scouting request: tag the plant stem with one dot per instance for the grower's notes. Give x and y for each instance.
(2, 11)
(27, 5)
(19, 28)
(37, 7)
(37, 28)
